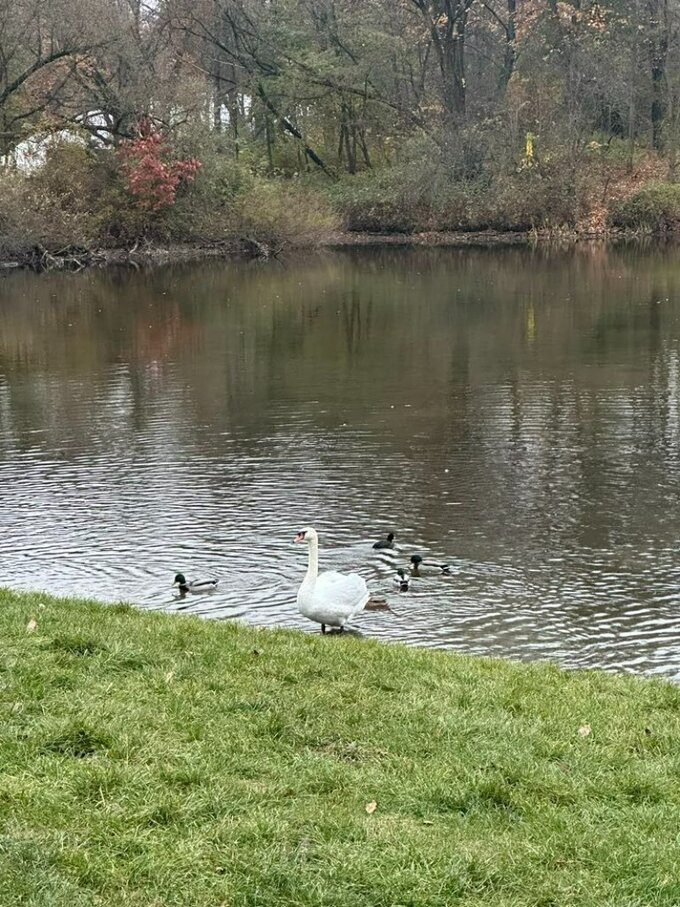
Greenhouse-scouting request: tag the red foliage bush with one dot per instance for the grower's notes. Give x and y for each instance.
(152, 177)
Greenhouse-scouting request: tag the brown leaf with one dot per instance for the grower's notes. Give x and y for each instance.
(31, 626)
(371, 807)
(584, 730)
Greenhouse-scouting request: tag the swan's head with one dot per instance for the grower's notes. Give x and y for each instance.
(180, 580)
(306, 535)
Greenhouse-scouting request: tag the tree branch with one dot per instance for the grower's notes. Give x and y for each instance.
(40, 63)
(293, 130)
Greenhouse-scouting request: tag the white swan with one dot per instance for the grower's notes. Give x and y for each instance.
(332, 598)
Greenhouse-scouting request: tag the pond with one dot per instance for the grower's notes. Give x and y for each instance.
(514, 412)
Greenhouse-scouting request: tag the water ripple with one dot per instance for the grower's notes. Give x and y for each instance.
(544, 469)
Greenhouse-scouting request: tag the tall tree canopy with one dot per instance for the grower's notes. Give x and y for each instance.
(346, 85)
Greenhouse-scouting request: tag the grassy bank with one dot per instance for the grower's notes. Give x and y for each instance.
(161, 760)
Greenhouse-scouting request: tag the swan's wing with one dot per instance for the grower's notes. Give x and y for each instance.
(346, 592)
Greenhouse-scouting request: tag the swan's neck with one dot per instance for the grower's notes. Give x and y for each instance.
(313, 567)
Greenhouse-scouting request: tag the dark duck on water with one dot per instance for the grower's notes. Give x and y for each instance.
(203, 585)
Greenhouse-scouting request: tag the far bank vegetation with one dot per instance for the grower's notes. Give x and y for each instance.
(280, 123)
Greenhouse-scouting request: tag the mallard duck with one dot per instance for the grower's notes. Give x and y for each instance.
(202, 585)
(386, 542)
(402, 580)
(423, 567)
(330, 599)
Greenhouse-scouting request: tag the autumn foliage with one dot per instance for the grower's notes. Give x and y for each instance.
(151, 174)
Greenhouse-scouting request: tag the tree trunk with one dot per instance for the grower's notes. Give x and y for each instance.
(509, 50)
(446, 21)
(453, 71)
(632, 109)
(658, 53)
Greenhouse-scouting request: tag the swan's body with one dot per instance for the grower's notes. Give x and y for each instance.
(425, 567)
(402, 580)
(386, 542)
(330, 599)
(202, 585)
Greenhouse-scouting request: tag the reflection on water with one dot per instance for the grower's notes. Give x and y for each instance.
(513, 412)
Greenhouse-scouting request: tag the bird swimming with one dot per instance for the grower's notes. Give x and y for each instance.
(424, 566)
(386, 542)
(402, 580)
(203, 585)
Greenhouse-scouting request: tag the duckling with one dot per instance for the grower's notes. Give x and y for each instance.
(402, 580)
(386, 542)
(203, 585)
(421, 567)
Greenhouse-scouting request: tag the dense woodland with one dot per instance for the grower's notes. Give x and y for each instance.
(285, 120)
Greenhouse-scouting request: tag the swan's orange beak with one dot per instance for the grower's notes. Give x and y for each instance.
(300, 537)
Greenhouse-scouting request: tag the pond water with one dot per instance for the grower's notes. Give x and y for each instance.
(514, 412)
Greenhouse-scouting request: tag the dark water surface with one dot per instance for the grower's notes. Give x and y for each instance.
(513, 412)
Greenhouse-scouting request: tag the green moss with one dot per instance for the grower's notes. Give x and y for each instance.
(217, 764)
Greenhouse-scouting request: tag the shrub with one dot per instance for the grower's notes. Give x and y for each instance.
(14, 235)
(56, 206)
(394, 202)
(376, 203)
(280, 213)
(151, 173)
(540, 198)
(654, 208)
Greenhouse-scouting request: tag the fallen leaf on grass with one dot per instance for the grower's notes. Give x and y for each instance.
(169, 676)
(371, 807)
(428, 822)
(584, 730)
(31, 626)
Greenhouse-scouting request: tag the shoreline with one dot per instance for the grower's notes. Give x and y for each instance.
(41, 260)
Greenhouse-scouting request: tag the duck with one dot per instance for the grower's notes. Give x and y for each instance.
(421, 567)
(202, 585)
(330, 599)
(402, 580)
(386, 542)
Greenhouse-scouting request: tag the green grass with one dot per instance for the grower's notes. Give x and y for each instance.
(148, 759)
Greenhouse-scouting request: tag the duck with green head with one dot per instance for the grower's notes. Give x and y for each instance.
(203, 585)
(425, 567)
